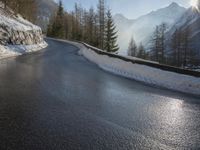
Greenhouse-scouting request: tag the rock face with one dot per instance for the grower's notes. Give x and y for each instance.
(17, 35)
(14, 30)
(14, 37)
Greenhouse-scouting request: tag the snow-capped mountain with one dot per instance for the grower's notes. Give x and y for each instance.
(122, 22)
(143, 27)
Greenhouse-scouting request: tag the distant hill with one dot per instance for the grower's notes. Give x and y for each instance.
(143, 27)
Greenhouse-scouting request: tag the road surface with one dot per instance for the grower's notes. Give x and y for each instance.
(57, 100)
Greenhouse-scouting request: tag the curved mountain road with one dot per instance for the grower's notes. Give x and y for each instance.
(57, 100)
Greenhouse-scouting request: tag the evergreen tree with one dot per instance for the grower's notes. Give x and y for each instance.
(60, 12)
(89, 26)
(110, 35)
(57, 29)
(158, 52)
(180, 45)
(132, 49)
(185, 44)
(66, 25)
(156, 44)
(175, 45)
(141, 52)
(78, 22)
(101, 18)
(96, 31)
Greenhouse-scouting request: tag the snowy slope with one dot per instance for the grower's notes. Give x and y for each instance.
(189, 17)
(143, 27)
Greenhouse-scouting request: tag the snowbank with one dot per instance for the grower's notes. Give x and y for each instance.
(16, 50)
(17, 23)
(153, 76)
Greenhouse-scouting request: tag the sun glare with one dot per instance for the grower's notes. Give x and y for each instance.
(194, 3)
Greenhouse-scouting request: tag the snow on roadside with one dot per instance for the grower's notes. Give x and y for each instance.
(143, 73)
(16, 50)
(149, 75)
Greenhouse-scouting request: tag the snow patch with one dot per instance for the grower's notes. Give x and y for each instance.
(16, 50)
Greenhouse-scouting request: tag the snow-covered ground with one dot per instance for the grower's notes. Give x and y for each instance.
(153, 76)
(16, 50)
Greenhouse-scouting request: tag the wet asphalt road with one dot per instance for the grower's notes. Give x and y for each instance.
(57, 100)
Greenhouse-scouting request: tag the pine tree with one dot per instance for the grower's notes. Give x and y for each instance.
(158, 52)
(101, 18)
(78, 22)
(85, 25)
(89, 35)
(156, 44)
(163, 28)
(57, 27)
(66, 25)
(91, 26)
(141, 52)
(132, 49)
(175, 45)
(96, 31)
(185, 42)
(110, 35)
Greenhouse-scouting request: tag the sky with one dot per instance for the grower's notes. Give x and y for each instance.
(129, 8)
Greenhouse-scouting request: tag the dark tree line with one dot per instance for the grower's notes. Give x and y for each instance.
(158, 50)
(95, 27)
(180, 54)
(183, 53)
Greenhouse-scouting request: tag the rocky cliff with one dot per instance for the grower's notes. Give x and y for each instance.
(18, 32)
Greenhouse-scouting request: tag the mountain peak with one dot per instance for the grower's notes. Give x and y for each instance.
(174, 5)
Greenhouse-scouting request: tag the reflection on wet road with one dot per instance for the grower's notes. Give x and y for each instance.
(56, 99)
